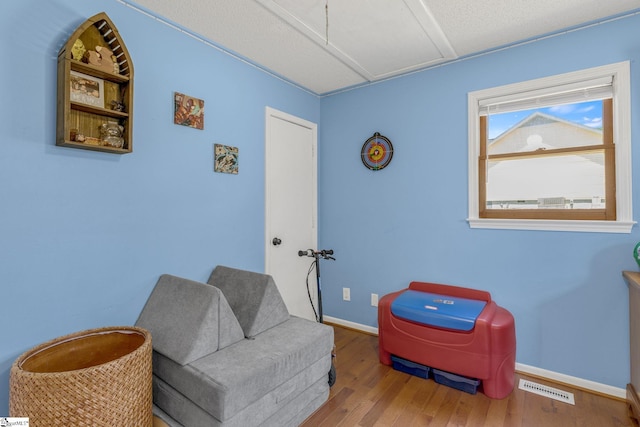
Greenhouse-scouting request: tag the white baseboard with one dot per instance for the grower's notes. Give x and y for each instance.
(617, 392)
(351, 325)
(604, 389)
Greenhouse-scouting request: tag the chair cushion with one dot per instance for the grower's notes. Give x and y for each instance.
(268, 411)
(188, 320)
(253, 297)
(280, 362)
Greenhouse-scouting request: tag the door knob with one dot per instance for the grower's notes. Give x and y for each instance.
(276, 241)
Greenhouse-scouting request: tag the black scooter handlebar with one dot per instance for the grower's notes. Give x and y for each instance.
(324, 253)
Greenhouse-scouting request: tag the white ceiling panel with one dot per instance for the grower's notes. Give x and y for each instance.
(476, 26)
(376, 38)
(328, 45)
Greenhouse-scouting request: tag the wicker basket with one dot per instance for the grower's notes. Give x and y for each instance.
(98, 377)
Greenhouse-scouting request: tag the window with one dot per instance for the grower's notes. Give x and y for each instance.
(553, 153)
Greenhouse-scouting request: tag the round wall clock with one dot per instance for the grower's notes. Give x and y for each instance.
(377, 152)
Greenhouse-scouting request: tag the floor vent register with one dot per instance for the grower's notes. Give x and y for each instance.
(543, 390)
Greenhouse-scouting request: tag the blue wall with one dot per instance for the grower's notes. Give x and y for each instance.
(408, 221)
(85, 235)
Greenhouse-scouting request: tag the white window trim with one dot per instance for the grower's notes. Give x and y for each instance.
(622, 139)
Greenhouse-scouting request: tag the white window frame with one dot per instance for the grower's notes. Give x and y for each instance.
(621, 137)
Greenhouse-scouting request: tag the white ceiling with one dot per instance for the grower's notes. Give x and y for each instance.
(369, 40)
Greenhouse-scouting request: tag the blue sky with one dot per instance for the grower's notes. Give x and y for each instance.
(584, 113)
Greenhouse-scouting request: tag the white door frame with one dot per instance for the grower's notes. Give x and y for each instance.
(273, 114)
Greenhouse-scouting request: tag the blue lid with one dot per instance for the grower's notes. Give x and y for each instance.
(437, 310)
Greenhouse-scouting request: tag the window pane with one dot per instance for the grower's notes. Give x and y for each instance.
(511, 132)
(560, 182)
(560, 126)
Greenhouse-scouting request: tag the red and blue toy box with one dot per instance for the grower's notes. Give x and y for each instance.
(424, 328)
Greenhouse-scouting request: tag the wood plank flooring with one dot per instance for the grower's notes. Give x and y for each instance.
(367, 393)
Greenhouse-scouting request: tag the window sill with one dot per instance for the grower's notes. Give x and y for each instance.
(552, 225)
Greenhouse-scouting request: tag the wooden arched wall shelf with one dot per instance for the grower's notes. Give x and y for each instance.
(95, 89)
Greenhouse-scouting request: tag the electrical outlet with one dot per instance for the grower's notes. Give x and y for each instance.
(374, 300)
(346, 294)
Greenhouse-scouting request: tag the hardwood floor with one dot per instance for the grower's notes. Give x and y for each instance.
(367, 393)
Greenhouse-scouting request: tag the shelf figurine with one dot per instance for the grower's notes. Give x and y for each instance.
(102, 58)
(111, 134)
(118, 106)
(78, 50)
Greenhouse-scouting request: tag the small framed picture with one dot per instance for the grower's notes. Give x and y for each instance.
(86, 89)
(225, 159)
(188, 111)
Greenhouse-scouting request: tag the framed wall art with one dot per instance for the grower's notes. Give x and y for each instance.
(225, 159)
(188, 111)
(86, 89)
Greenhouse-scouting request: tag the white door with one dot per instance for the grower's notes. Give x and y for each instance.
(291, 200)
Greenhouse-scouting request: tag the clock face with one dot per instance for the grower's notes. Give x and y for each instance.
(377, 152)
